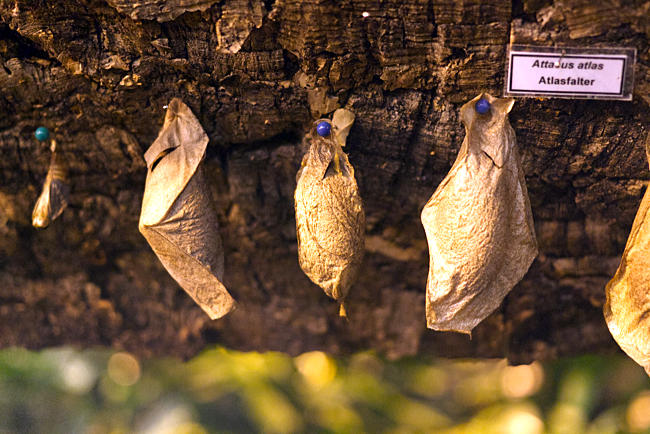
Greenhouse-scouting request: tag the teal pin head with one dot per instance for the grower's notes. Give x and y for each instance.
(42, 134)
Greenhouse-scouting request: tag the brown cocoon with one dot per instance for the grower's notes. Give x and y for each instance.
(330, 221)
(178, 218)
(55, 194)
(627, 310)
(478, 223)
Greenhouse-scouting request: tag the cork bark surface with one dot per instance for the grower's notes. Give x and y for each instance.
(257, 73)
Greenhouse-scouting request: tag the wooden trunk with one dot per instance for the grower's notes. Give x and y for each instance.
(257, 73)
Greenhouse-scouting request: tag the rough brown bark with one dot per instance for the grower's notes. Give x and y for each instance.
(256, 73)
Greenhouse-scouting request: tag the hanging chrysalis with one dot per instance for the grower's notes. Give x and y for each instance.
(55, 195)
(478, 222)
(627, 310)
(177, 218)
(330, 221)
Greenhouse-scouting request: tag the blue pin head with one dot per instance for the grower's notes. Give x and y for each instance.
(41, 134)
(323, 128)
(482, 106)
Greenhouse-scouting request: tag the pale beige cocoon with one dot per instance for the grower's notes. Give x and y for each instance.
(55, 194)
(478, 223)
(330, 221)
(178, 218)
(627, 310)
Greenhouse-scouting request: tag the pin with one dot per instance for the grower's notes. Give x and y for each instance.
(482, 106)
(323, 128)
(42, 134)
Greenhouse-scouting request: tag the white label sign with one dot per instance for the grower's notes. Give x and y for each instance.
(574, 75)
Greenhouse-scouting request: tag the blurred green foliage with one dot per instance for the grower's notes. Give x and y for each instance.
(69, 391)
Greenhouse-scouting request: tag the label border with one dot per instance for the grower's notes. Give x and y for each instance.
(621, 93)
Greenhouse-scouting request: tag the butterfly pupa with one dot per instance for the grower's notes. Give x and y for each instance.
(478, 222)
(627, 309)
(330, 221)
(178, 219)
(55, 194)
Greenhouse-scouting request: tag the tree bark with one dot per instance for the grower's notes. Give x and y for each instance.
(257, 73)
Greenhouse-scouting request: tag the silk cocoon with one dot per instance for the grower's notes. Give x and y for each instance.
(478, 223)
(178, 219)
(330, 220)
(627, 309)
(55, 194)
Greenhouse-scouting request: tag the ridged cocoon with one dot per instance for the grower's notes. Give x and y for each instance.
(178, 218)
(330, 221)
(55, 194)
(478, 223)
(627, 310)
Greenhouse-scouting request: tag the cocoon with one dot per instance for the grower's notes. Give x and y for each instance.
(627, 309)
(178, 219)
(478, 222)
(330, 221)
(55, 194)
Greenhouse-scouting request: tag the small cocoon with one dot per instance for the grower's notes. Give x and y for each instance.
(330, 221)
(478, 223)
(56, 192)
(627, 309)
(178, 219)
